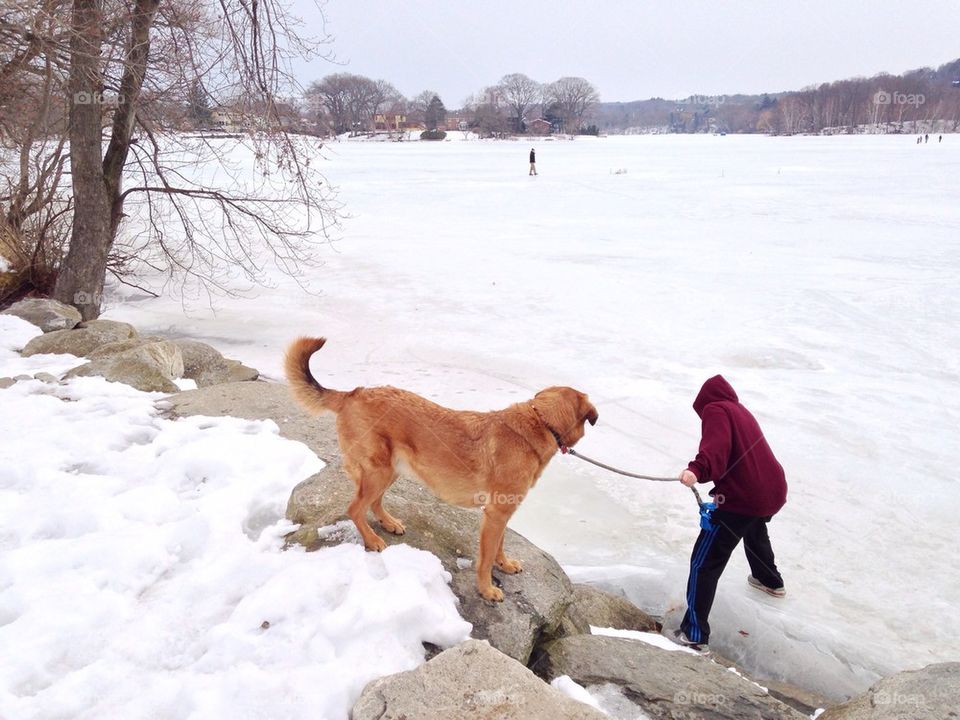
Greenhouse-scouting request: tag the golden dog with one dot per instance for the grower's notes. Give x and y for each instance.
(471, 459)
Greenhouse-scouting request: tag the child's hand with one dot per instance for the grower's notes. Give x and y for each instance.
(688, 478)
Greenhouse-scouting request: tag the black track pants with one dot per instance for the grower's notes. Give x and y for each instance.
(710, 555)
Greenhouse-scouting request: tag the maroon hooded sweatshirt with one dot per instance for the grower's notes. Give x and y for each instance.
(734, 455)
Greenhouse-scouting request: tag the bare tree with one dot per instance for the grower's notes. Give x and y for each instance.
(419, 104)
(34, 210)
(334, 94)
(488, 117)
(574, 97)
(352, 101)
(115, 69)
(519, 92)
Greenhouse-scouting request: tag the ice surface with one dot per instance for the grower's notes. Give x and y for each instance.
(817, 274)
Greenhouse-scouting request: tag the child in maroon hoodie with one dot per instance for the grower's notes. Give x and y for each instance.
(749, 488)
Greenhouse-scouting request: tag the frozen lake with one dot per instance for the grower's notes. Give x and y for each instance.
(817, 274)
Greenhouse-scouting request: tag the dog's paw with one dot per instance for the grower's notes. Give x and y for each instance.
(392, 525)
(509, 565)
(492, 593)
(376, 544)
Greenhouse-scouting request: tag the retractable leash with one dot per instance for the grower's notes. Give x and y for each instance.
(706, 508)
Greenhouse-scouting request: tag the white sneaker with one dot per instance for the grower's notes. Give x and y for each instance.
(775, 592)
(680, 637)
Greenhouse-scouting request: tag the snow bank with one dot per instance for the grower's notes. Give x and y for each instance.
(142, 571)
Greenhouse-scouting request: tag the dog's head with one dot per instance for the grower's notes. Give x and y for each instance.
(565, 410)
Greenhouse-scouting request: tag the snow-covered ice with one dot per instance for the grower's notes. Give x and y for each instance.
(817, 274)
(142, 571)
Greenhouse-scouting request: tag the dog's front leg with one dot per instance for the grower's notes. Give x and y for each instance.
(492, 527)
(508, 565)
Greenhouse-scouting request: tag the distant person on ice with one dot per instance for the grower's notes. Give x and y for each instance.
(749, 489)
(533, 162)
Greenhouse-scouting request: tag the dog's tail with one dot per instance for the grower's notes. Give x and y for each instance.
(305, 389)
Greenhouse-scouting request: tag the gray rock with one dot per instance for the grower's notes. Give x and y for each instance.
(238, 372)
(202, 363)
(536, 599)
(150, 366)
(46, 377)
(82, 340)
(661, 683)
(205, 365)
(163, 353)
(467, 682)
(805, 701)
(603, 609)
(6, 382)
(46, 314)
(932, 693)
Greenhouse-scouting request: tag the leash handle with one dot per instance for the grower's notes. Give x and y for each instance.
(696, 494)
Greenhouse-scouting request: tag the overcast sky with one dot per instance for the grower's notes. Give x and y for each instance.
(631, 49)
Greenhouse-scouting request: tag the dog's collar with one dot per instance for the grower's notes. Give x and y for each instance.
(556, 435)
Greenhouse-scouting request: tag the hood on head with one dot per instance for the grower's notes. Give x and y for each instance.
(714, 390)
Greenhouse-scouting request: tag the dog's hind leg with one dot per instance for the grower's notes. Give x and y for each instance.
(371, 483)
(387, 521)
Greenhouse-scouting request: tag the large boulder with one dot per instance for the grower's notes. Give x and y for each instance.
(471, 681)
(535, 600)
(238, 372)
(672, 685)
(163, 353)
(932, 693)
(82, 340)
(600, 608)
(46, 314)
(205, 365)
(150, 366)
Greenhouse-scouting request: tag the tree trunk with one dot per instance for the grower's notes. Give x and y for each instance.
(96, 178)
(80, 282)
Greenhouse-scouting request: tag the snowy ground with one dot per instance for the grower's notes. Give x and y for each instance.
(817, 274)
(141, 572)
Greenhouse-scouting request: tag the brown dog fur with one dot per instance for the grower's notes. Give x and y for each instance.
(471, 459)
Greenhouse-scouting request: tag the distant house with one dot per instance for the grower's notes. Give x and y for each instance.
(391, 122)
(539, 127)
(225, 119)
(457, 123)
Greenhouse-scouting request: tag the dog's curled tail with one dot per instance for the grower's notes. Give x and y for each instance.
(305, 389)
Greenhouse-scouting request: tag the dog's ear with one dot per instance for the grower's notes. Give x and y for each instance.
(587, 410)
(592, 415)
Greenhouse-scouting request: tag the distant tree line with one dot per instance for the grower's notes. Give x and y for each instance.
(924, 98)
(345, 102)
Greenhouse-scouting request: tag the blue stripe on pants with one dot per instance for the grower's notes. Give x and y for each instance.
(695, 566)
